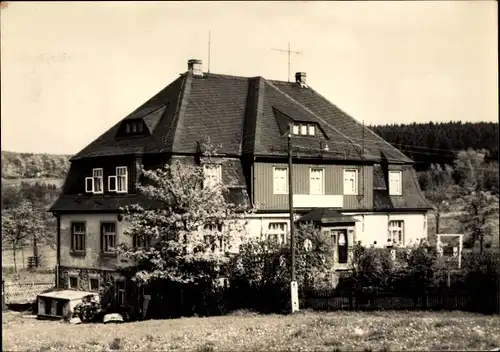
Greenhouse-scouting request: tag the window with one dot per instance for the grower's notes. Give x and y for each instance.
(316, 181)
(311, 130)
(216, 241)
(303, 130)
(94, 283)
(134, 127)
(350, 182)
(121, 179)
(98, 184)
(120, 293)
(213, 174)
(78, 236)
(396, 232)
(277, 232)
(108, 237)
(141, 241)
(280, 180)
(395, 183)
(73, 281)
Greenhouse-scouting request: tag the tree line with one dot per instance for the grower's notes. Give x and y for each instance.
(437, 143)
(29, 165)
(25, 220)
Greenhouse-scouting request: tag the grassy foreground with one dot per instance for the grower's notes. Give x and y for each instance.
(308, 331)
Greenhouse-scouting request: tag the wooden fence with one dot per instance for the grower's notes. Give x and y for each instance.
(330, 300)
(22, 293)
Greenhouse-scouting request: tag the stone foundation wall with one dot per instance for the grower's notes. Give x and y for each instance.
(84, 274)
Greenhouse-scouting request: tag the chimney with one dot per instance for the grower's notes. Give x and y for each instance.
(195, 66)
(300, 78)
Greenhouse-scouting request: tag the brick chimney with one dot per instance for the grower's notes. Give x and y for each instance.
(300, 78)
(195, 66)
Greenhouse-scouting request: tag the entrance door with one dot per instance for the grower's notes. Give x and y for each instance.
(342, 245)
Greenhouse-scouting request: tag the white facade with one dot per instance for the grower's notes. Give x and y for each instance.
(370, 227)
(373, 228)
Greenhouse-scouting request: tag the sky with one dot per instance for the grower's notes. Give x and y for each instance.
(71, 70)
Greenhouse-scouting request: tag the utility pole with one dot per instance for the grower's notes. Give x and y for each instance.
(294, 292)
(288, 52)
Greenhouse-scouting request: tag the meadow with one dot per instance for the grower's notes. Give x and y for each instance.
(303, 331)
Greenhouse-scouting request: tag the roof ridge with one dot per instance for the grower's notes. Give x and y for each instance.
(313, 114)
(357, 122)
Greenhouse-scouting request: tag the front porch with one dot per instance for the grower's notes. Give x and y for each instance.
(342, 232)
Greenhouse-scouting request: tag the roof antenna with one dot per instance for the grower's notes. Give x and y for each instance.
(363, 140)
(209, 51)
(289, 52)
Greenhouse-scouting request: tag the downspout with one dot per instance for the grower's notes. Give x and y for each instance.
(58, 249)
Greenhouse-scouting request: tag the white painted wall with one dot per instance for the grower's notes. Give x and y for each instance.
(373, 227)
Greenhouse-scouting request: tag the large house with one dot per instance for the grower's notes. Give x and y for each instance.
(346, 178)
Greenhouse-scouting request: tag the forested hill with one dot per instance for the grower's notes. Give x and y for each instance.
(28, 165)
(428, 143)
(425, 143)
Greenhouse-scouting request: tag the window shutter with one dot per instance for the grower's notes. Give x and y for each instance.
(89, 184)
(112, 183)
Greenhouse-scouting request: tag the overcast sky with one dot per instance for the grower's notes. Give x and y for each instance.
(71, 70)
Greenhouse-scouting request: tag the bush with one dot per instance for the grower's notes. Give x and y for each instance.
(89, 311)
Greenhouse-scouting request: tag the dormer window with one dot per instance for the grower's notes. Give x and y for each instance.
(304, 129)
(119, 182)
(395, 183)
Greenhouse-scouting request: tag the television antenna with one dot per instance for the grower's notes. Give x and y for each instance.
(289, 52)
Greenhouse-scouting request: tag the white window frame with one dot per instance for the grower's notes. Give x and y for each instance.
(393, 237)
(277, 187)
(398, 189)
(91, 189)
(303, 130)
(311, 130)
(211, 177)
(322, 181)
(123, 176)
(277, 233)
(109, 183)
(296, 129)
(347, 190)
(98, 179)
(221, 244)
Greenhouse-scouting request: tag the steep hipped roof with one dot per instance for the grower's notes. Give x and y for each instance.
(242, 115)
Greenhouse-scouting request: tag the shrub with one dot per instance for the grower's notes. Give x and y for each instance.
(89, 311)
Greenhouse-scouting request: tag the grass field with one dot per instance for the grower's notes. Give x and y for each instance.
(307, 331)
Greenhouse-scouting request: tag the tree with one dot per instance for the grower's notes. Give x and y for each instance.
(440, 189)
(478, 206)
(191, 229)
(19, 225)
